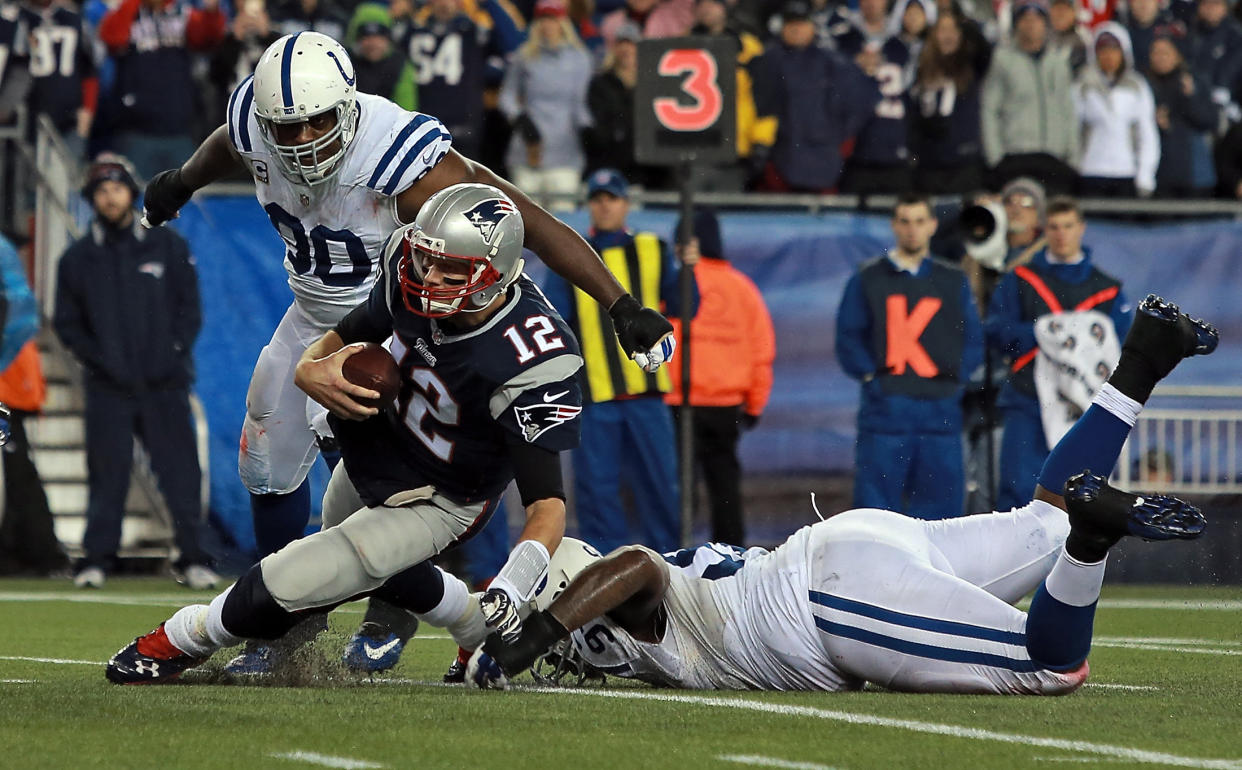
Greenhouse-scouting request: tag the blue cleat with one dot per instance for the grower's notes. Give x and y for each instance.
(373, 648)
(1104, 514)
(1163, 335)
(256, 659)
(149, 659)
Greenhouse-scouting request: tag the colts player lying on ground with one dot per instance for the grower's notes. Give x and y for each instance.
(489, 395)
(874, 596)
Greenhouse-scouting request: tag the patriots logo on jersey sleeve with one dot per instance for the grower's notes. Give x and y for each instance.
(489, 213)
(537, 419)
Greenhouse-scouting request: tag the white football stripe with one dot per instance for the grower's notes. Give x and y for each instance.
(761, 761)
(325, 760)
(931, 728)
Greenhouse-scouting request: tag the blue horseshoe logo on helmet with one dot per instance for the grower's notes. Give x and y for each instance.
(348, 80)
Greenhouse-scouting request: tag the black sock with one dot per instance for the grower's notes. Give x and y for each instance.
(1134, 377)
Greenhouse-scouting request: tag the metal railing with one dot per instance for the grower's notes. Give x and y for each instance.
(1186, 450)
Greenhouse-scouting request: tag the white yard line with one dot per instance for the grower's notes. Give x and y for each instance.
(324, 760)
(931, 728)
(1111, 686)
(1167, 648)
(762, 761)
(18, 681)
(1165, 640)
(52, 660)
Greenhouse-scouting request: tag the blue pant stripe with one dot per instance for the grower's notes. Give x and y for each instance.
(924, 650)
(917, 621)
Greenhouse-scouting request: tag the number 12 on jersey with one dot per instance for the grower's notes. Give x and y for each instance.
(543, 334)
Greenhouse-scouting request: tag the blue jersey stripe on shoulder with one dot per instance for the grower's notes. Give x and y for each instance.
(917, 621)
(286, 74)
(243, 117)
(395, 148)
(431, 137)
(229, 117)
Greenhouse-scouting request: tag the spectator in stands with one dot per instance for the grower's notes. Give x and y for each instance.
(127, 308)
(609, 139)
(28, 544)
(249, 36)
(1217, 53)
(154, 96)
(880, 162)
(544, 97)
(380, 68)
(1024, 200)
(450, 50)
(711, 19)
(819, 99)
(15, 65)
(945, 139)
(1027, 98)
(293, 16)
(733, 346)
(1117, 116)
(1058, 278)
(1184, 112)
(907, 329)
(1229, 163)
(627, 431)
(868, 25)
(1066, 33)
(656, 18)
(1141, 19)
(62, 67)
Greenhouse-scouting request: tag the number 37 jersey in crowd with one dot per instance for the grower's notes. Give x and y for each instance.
(465, 397)
(334, 233)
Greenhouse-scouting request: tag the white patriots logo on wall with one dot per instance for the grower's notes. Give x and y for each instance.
(537, 419)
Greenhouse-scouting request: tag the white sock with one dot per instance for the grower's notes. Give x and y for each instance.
(215, 626)
(1117, 404)
(1074, 583)
(459, 613)
(187, 630)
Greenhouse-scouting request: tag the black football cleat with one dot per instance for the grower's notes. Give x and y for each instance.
(1101, 515)
(1163, 335)
(456, 673)
(149, 659)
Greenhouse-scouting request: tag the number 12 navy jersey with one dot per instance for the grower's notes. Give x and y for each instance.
(465, 397)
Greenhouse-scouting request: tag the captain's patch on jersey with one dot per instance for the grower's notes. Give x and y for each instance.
(537, 419)
(487, 214)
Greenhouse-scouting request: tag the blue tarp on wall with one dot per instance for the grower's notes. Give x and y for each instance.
(799, 261)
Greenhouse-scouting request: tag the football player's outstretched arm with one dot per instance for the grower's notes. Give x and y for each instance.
(639, 329)
(169, 190)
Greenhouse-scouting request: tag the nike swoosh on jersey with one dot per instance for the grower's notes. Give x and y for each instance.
(375, 653)
(549, 398)
(428, 155)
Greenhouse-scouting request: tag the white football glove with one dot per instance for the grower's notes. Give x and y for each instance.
(482, 672)
(501, 615)
(653, 359)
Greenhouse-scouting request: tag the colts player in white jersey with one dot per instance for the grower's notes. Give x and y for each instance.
(337, 171)
(875, 596)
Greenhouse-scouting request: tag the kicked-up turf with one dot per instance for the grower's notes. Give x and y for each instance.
(1165, 691)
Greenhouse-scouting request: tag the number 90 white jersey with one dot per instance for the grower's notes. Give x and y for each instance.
(334, 233)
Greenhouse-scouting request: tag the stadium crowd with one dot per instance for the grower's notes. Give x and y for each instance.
(1106, 99)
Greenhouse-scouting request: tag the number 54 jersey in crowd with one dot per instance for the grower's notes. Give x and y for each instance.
(334, 233)
(465, 397)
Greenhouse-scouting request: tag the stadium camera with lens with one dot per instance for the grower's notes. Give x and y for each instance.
(984, 227)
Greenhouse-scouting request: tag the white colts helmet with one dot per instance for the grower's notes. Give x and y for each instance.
(571, 557)
(298, 77)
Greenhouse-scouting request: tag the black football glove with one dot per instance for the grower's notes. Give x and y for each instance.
(641, 330)
(165, 196)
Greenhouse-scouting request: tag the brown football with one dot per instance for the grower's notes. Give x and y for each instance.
(373, 367)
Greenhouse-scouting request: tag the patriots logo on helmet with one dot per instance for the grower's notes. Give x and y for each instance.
(487, 214)
(537, 419)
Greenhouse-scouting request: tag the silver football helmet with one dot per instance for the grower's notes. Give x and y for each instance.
(306, 77)
(474, 224)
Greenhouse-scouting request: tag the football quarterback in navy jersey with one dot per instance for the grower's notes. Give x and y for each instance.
(488, 395)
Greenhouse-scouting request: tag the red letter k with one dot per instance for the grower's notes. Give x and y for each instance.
(904, 331)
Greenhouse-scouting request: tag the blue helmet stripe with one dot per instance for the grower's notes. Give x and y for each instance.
(286, 76)
(404, 134)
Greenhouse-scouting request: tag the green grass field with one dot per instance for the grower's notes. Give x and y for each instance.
(1166, 690)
